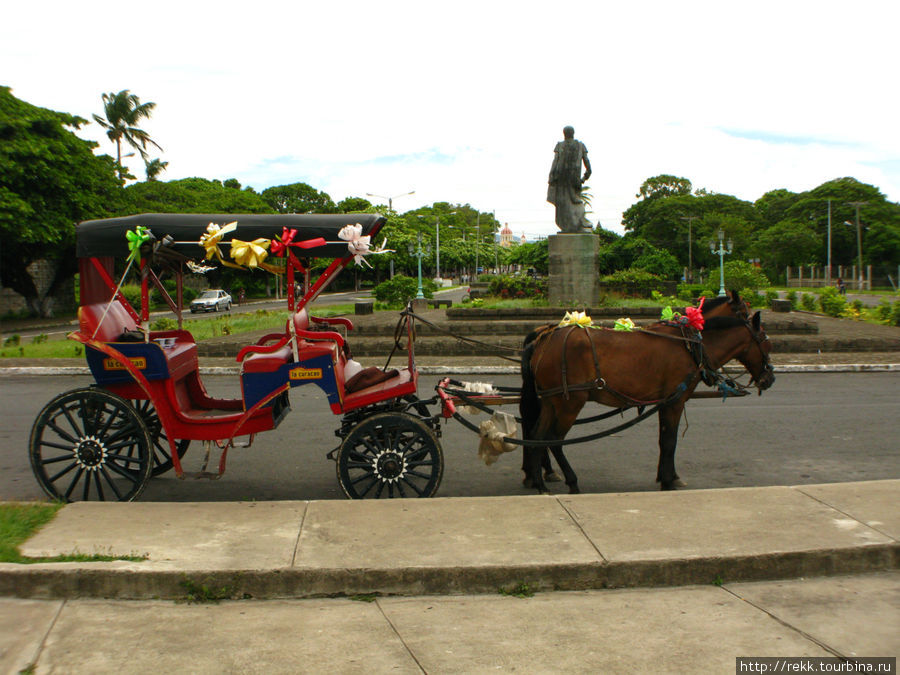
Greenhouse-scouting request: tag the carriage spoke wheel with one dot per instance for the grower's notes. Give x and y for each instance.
(89, 444)
(162, 453)
(390, 455)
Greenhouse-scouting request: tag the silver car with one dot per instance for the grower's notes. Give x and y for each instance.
(211, 301)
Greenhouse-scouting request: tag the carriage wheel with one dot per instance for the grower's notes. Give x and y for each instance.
(390, 455)
(89, 444)
(162, 455)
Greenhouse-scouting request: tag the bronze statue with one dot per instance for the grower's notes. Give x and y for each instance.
(564, 190)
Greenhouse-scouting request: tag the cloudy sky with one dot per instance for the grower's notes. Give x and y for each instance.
(464, 101)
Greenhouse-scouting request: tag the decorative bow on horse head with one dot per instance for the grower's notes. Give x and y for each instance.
(693, 316)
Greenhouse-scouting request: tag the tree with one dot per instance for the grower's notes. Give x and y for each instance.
(191, 195)
(49, 179)
(154, 167)
(298, 198)
(664, 185)
(122, 114)
(787, 243)
(354, 205)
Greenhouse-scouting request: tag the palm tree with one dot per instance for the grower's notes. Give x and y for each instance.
(123, 112)
(154, 167)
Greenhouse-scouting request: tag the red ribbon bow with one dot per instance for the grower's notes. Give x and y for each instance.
(695, 315)
(280, 247)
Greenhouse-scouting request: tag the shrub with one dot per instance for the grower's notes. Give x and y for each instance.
(792, 298)
(164, 323)
(516, 286)
(401, 289)
(633, 282)
(740, 276)
(771, 296)
(832, 302)
(808, 302)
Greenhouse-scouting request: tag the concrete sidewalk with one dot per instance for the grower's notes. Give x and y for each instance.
(464, 545)
(693, 629)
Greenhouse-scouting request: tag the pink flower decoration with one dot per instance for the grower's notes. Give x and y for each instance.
(695, 315)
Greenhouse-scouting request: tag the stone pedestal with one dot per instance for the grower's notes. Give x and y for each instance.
(574, 280)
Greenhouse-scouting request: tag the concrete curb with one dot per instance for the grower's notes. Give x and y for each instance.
(479, 370)
(465, 546)
(128, 581)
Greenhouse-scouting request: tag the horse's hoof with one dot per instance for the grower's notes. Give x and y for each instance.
(679, 483)
(574, 490)
(526, 482)
(552, 477)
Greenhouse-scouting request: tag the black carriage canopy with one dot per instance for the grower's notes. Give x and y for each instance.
(99, 238)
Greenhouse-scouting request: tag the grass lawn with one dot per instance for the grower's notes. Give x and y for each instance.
(19, 521)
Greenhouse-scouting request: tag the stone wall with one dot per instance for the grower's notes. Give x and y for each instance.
(42, 273)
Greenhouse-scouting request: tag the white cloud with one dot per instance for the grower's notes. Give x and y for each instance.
(475, 94)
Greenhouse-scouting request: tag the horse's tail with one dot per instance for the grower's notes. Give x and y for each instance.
(529, 403)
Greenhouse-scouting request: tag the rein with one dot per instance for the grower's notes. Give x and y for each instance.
(678, 393)
(409, 312)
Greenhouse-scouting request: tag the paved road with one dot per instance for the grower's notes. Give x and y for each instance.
(809, 428)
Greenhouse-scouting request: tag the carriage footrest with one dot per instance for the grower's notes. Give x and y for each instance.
(200, 475)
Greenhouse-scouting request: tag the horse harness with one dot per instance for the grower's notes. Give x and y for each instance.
(690, 337)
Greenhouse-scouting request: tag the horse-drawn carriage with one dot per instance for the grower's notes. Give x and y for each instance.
(149, 403)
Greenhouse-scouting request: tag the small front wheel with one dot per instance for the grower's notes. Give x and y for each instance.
(89, 444)
(390, 455)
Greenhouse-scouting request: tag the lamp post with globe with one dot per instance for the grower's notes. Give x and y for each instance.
(721, 252)
(418, 251)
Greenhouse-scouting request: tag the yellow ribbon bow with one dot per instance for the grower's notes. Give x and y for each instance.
(250, 253)
(576, 319)
(213, 237)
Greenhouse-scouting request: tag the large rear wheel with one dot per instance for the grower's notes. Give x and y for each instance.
(390, 455)
(90, 444)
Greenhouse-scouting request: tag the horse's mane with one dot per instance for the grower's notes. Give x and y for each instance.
(722, 323)
(709, 305)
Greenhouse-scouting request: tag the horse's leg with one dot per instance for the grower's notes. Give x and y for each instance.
(669, 418)
(565, 418)
(550, 475)
(571, 478)
(533, 455)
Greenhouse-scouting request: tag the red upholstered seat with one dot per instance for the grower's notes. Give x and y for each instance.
(262, 362)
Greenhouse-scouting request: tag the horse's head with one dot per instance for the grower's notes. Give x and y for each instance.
(755, 358)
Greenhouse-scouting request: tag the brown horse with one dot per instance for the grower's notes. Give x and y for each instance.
(564, 368)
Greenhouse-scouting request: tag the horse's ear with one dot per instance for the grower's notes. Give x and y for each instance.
(756, 321)
(735, 298)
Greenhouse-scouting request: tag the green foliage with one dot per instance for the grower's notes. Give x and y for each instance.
(771, 296)
(808, 302)
(18, 522)
(519, 590)
(633, 282)
(831, 301)
(123, 111)
(298, 198)
(660, 263)
(532, 255)
(401, 289)
(517, 286)
(49, 179)
(164, 323)
(793, 299)
(191, 195)
(740, 276)
(198, 592)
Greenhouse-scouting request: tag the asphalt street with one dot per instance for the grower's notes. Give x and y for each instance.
(809, 428)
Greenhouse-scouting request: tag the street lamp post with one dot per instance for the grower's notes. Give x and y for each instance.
(437, 243)
(721, 252)
(390, 200)
(418, 252)
(858, 240)
(690, 220)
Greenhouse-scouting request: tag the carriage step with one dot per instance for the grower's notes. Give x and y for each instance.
(200, 475)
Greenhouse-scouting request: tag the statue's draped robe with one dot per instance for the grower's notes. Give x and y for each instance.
(564, 190)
